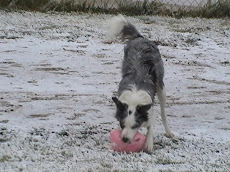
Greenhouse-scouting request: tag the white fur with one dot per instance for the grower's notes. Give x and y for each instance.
(116, 25)
(128, 132)
(135, 97)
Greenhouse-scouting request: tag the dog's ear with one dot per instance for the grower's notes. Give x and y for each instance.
(118, 103)
(143, 108)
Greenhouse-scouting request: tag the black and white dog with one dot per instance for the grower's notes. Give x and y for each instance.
(142, 78)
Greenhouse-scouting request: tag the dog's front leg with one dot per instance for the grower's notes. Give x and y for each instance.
(150, 127)
(149, 141)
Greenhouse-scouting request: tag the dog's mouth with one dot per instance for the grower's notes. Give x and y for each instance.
(130, 141)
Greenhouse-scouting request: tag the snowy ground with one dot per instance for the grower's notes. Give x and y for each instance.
(57, 78)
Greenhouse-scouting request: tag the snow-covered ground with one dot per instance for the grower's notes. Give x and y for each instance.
(57, 78)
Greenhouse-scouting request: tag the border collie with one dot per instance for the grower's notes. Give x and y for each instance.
(142, 78)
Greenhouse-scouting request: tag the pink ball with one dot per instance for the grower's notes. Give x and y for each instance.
(136, 145)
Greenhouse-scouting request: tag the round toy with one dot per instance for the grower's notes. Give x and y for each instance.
(136, 145)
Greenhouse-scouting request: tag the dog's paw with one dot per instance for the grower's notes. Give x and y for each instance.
(169, 134)
(149, 147)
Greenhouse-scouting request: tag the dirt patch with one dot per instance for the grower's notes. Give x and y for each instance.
(40, 115)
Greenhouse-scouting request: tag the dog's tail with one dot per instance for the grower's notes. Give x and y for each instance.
(122, 29)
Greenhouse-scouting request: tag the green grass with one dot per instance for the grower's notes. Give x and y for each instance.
(4, 121)
(3, 140)
(217, 10)
(24, 4)
(128, 7)
(166, 161)
(5, 158)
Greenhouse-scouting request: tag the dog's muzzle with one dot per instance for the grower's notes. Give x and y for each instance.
(126, 140)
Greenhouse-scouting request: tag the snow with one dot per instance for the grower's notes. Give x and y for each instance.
(57, 79)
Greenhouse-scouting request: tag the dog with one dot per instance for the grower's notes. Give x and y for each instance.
(142, 79)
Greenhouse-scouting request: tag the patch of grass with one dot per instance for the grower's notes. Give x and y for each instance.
(147, 20)
(24, 4)
(219, 9)
(66, 154)
(166, 161)
(40, 115)
(225, 128)
(128, 7)
(5, 158)
(4, 121)
(184, 30)
(106, 165)
(3, 140)
(215, 165)
(191, 41)
(63, 133)
(5, 135)
(38, 132)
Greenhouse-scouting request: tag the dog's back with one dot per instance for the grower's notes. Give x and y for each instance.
(142, 65)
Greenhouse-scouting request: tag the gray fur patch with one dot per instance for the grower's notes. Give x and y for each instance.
(142, 66)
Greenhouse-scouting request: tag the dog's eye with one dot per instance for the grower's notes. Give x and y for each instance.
(135, 126)
(139, 109)
(143, 108)
(130, 112)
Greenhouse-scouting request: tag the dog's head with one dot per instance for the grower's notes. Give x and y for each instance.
(131, 118)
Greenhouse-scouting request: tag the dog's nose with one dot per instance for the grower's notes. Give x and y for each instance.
(125, 139)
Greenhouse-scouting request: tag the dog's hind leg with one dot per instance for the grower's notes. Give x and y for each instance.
(162, 99)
